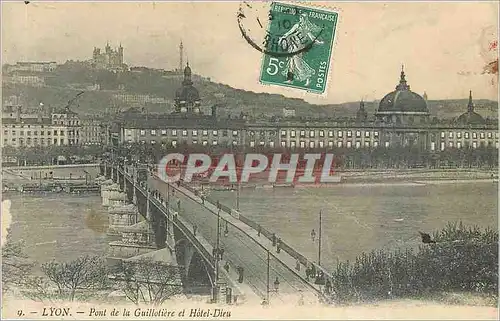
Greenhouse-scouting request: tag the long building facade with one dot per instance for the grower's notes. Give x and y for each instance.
(402, 120)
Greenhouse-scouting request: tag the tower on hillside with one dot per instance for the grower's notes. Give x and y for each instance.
(181, 56)
(425, 96)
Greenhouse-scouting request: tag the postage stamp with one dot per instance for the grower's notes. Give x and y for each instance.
(299, 43)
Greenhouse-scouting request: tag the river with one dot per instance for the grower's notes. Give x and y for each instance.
(355, 218)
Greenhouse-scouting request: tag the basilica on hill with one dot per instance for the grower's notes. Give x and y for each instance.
(401, 120)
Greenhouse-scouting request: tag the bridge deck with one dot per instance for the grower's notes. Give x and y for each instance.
(242, 247)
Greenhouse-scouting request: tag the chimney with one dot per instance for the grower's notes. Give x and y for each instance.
(18, 113)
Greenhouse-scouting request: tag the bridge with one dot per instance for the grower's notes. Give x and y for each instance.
(211, 241)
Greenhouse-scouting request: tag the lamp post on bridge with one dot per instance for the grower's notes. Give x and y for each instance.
(215, 287)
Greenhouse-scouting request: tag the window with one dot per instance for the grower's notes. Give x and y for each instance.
(252, 133)
(375, 134)
(174, 143)
(330, 144)
(22, 132)
(215, 132)
(450, 144)
(195, 133)
(330, 133)
(387, 144)
(5, 132)
(62, 141)
(311, 133)
(442, 145)
(235, 142)
(339, 144)
(459, 135)
(28, 133)
(375, 144)
(358, 134)
(466, 135)
(153, 132)
(433, 146)
(349, 133)
(349, 144)
(459, 145)
(367, 144)
(184, 133)
(321, 144)
(321, 133)
(142, 132)
(262, 133)
(271, 144)
(214, 143)
(302, 144)
(235, 133)
(481, 135)
(174, 132)
(490, 135)
(474, 135)
(293, 144)
(163, 132)
(153, 142)
(474, 144)
(13, 132)
(283, 143)
(42, 133)
(55, 141)
(339, 134)
(358, 144)
(205, 133)
(283, 133)
(62, 133)
(311, 144)
(302, 133)
(205, 143)
(224, 133)
(450, 135)
(252, 143)
(262, 143)
(292, 134)
(367, 134)
(35, 133)
(443, 134)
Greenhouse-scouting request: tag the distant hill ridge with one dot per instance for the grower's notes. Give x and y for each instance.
(67, 79)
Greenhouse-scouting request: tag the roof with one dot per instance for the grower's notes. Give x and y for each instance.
(470, 117)
(26, 121)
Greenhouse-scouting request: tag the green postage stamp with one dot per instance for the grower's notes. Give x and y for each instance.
(298, 47)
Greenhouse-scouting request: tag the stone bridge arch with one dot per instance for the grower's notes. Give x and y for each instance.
(196, 272)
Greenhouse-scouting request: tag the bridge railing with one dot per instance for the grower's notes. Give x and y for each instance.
(268, 234)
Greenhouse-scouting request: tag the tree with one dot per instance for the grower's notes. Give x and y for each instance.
(15, 265)
(148, 281)
(84, 273)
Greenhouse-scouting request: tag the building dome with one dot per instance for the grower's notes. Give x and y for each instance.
(402, 100)
(187, 96)
(470, 116)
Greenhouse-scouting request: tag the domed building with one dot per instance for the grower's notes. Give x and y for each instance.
(470, 117)
(403, 106)
(187, 97)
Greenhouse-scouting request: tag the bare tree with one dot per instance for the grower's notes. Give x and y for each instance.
(148, 281)
(84, 273)
(16, 266)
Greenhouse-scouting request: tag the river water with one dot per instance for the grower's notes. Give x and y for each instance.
(355, 218)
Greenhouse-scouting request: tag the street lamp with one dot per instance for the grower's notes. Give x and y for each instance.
(217, 257)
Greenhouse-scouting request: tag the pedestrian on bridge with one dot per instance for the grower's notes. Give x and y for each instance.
(274, 239)
(259, 229)
(297, 265)
(195, 228)
(218, 205)
(226, 266)
(179, 205)
(221, 252)
(313, 235)
(278, 245)
(240, 274)
(202, 199)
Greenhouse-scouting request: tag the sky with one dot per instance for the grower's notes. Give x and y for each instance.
(443, 46)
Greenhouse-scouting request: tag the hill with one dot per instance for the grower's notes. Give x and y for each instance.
(106, 90)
